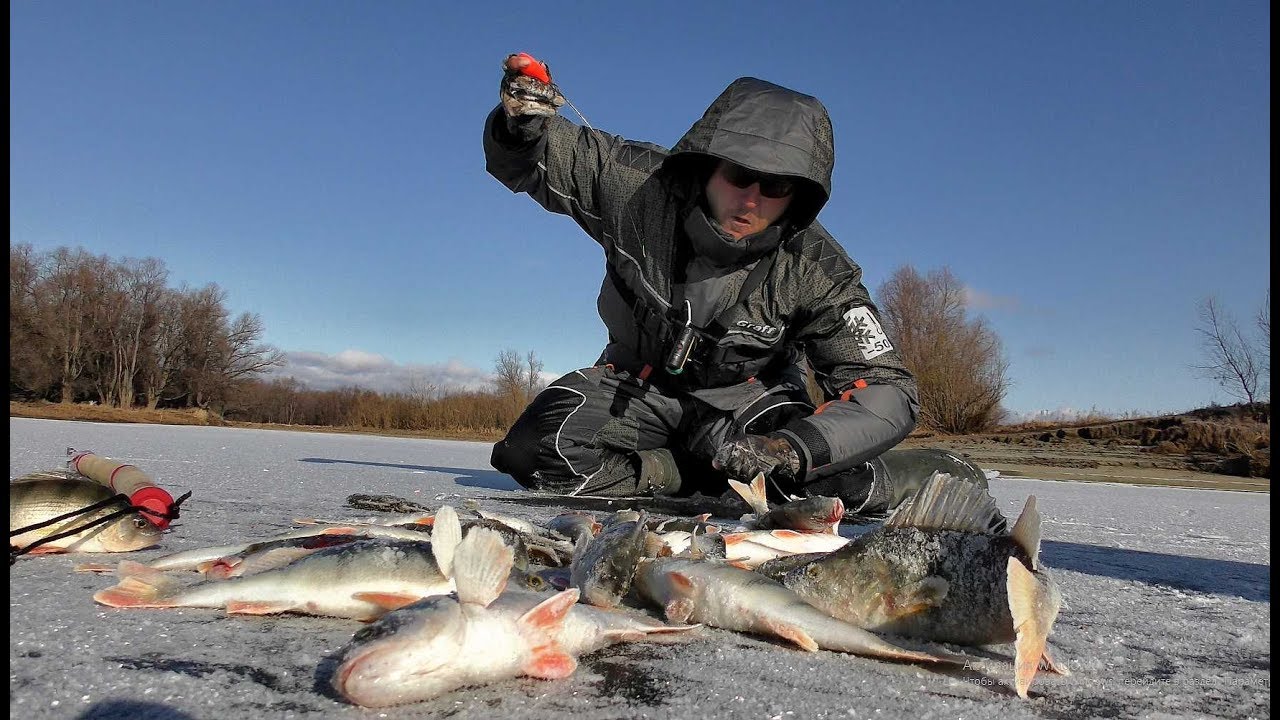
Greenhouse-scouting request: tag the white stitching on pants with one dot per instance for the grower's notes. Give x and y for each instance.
(564, 422)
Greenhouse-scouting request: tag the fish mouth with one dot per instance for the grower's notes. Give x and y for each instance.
(369, 680)
(343, 673)
(373, 656)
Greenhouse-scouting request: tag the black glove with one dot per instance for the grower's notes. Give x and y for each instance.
(750, 455)
(523, 94)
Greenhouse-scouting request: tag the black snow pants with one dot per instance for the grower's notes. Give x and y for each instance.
(586, 433)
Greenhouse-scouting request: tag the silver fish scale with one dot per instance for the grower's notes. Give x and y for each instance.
(40, 496)
(372, 552)
(876, 579)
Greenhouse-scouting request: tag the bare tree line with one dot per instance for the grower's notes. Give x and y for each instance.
(421, 407)
(957, 361)
(284, 401)
(88, 328)
(85, 327)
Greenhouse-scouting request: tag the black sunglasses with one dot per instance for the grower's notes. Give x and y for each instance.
(771, 186)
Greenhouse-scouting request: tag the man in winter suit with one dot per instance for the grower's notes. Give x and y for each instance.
(719, 281)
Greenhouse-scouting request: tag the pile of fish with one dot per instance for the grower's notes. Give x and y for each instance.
(460, 597)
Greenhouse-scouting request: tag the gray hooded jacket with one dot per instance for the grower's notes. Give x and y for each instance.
(644, 205)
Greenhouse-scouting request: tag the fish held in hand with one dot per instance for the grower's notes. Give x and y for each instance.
(40, 497)
(816, 514)
(938, 570)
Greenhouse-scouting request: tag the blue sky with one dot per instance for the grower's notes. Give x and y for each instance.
(1089, 170)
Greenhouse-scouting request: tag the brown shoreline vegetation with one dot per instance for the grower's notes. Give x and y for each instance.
(85, 412)
(1220, 447)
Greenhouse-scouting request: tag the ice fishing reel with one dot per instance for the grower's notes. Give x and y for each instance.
(156, 504)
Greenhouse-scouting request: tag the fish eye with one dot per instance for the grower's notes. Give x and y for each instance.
(140, 523)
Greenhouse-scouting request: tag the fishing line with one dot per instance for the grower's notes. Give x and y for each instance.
(575, 107)
(68, 515)
(15, 552)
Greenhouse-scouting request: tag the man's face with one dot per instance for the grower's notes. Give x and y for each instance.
(741, 201)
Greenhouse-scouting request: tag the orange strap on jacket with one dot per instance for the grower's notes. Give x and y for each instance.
(844, 396)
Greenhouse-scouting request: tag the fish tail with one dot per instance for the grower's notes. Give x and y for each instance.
(1026, 531)
(481, 566)
(1052, 664)
(754, 494)
(446, 534)
(142, 590)
(1033, 603)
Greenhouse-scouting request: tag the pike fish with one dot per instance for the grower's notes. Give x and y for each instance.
(483, 635)
(361, 580)
(816, 514)
(724, 596)
(937, 570)
(39, 497)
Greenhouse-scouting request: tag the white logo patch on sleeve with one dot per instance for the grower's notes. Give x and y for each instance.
(867, 331)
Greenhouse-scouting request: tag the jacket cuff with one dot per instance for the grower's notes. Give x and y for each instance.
(808, 443)
(515, 133)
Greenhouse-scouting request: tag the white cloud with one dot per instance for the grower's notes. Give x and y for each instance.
(975, 299)
(360, 361)
(370, 371)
